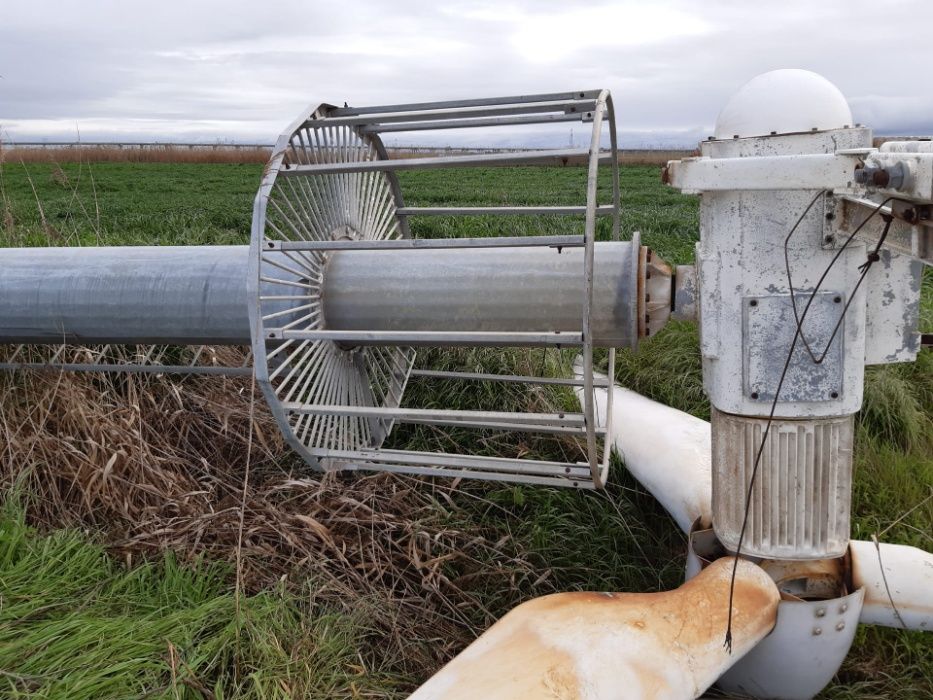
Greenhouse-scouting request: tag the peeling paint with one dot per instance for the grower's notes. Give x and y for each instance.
(587, 646)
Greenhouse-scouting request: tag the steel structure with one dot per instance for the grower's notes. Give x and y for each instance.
(334, 294)
(807, 269)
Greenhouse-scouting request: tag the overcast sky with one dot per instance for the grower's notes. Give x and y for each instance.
(241, 70)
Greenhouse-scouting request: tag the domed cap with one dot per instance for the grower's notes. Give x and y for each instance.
(783, 101)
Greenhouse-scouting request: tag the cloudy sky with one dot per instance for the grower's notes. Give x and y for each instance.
(241, 70)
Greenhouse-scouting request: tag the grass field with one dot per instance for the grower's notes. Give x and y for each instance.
(350, 586)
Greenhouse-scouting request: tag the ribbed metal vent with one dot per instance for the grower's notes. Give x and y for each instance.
(800, 501)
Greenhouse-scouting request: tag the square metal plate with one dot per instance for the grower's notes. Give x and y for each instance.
(769, 327)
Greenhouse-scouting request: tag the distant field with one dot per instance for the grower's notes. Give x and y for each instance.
(354, 586)
(221, 153)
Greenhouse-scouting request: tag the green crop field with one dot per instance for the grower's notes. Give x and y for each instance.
(143, 555)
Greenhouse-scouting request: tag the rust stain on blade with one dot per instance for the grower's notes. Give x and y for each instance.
(584, 646)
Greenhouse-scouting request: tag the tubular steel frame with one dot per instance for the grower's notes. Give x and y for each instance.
(330, 186)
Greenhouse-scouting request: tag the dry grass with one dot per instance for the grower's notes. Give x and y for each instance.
(133, 154)
(156, 464)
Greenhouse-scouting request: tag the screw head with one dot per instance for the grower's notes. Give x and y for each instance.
(817, 631)
(840, 626)
(821, 612)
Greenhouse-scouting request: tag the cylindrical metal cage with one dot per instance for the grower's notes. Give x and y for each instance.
(331, 236)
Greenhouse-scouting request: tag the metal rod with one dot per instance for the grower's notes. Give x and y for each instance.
(132, 368)
(452, 338)
(605, 210)
(432, 125)
(571, 105)
(453, 472)
(473, 102)
(431, 243)
(428, 414)
(455, 460)
(512, 378)
(501, 427)
(552, 157)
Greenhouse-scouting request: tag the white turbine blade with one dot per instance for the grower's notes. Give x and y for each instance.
(667, 450)
(898, 582)
(615, 645)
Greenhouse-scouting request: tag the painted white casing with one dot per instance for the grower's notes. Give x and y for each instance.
(783, 101)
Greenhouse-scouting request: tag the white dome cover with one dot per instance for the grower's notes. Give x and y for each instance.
(783, 102)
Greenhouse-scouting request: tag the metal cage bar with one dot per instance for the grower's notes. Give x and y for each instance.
(336, 416)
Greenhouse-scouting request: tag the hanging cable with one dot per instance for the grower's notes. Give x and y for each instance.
(798, 334)
(873, 257)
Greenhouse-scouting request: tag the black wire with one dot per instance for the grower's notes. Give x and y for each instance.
(872, 258)
(798, 334)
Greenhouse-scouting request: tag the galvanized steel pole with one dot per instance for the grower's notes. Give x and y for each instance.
(197, 295)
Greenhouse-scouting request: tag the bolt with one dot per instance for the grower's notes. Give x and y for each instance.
(843, 608)
(840, 626)
(837, 299)
(834, 394)
(754, 395)
(820, 612)
(753, 302)
(829, 240)
(817, 631)
(830, 216)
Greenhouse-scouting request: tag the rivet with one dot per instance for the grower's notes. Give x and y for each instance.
(834, 394)
(817, 631)
(840, 626)
(753, 302)
(837, 300)
(821, 612)
(754, 395)
(843, 607)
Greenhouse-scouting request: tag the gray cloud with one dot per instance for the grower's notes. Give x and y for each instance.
(241, 70)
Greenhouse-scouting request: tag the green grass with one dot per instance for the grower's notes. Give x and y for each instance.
(75, 623)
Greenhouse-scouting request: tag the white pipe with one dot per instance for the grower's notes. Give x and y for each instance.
(667, 450)
(903, 595)
(615, 646)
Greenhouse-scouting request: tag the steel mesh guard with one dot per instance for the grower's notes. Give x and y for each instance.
(337, 391)
(291, 372)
